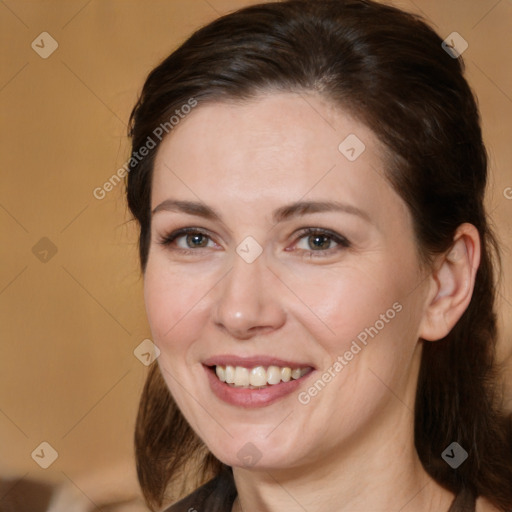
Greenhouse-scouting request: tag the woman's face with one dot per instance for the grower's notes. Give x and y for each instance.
(300, 256)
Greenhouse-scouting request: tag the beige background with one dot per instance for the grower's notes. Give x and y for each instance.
(69, 325)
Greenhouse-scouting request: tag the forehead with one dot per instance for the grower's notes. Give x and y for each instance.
(275, 148)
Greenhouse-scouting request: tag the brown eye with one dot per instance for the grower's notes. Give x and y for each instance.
(196, 240)
(316, 242)
(188, 238)
(320, 241)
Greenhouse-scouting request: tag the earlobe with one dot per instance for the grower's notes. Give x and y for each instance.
(453, 280)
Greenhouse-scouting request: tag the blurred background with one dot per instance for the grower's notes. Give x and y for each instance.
(72, 320)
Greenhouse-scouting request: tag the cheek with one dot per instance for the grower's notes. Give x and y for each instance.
(349, 303)
(173, 306)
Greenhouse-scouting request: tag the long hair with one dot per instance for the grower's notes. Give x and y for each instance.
(387, 68)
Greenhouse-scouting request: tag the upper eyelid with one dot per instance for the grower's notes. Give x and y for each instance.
(178, 233)
(351, 212)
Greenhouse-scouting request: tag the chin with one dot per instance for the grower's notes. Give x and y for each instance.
(254, 452)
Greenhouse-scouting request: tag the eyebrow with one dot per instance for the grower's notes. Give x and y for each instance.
(279, 215)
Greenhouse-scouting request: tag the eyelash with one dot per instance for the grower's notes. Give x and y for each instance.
(342, 242)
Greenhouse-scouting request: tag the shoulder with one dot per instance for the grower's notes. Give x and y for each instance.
(216, 495)
(194, 500)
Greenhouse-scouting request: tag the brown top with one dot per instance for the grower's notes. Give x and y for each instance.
(218, 495)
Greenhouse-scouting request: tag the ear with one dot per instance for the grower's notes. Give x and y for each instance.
(452, 281)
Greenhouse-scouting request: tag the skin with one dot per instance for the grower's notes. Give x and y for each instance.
(354, 439)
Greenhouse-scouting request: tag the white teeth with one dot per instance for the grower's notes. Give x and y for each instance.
(286, 374)
(258, 376)
(230, 374)
(296, 373)
(221, 373)
(274, 375)
(241, 376)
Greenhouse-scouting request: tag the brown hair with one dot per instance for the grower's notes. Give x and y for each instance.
(387, 68)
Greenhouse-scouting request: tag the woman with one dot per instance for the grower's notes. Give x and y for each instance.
(308, 177)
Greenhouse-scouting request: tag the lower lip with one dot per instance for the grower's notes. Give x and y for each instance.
(249, 398)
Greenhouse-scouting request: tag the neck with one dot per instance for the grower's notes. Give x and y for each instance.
(378, 470)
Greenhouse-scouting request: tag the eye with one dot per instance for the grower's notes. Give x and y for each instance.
(187, 239)
(310, 241)
(320, 241)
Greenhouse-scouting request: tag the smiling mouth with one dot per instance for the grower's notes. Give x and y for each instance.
(258, 377)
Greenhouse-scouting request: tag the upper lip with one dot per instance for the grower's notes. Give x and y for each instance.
(252, 361)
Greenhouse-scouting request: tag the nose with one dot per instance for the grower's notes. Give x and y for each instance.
(247, 303)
